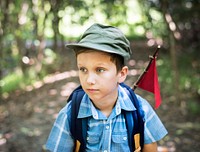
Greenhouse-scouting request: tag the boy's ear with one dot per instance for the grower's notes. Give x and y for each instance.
(122, 74)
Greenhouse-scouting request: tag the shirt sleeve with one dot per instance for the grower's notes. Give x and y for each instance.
(154, 130)
(60, 139)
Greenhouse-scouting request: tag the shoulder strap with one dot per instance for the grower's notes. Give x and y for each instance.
(78, 127)
(134, 119)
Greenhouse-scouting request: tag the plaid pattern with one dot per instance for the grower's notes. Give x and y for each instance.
(104, 134)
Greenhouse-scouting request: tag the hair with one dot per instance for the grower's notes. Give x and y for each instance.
(117, 59)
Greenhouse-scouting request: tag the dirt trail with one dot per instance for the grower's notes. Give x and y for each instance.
(26, 117)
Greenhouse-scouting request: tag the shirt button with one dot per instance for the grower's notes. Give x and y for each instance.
(124, 138)
(105, 151)
(107, 127)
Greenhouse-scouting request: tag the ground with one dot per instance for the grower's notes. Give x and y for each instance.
(26, 117)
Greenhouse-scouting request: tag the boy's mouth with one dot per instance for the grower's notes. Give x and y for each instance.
(92, 90)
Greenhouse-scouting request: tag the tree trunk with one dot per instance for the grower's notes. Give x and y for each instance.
(175, 72)
(172, 46)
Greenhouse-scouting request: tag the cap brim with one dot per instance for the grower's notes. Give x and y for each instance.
(104, 48)
(77, 47)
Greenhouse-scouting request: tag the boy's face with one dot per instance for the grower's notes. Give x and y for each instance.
(98, 75)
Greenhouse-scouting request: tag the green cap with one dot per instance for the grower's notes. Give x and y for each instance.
(103, 38)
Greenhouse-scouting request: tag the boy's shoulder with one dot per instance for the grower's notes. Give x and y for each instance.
(78, 93)
(132, 95)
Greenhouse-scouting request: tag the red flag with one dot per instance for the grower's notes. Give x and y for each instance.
(150, 83)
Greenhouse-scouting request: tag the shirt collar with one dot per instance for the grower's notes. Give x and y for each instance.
(87, 109)
(124, 100)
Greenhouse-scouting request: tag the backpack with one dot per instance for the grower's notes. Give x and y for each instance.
(134, 121)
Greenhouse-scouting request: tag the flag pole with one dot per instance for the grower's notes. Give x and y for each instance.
(147, 68)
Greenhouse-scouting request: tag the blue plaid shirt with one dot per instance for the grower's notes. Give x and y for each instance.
(104, 134)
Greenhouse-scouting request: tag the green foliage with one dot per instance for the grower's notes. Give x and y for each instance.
(11, 82)
(165, 75)
(193, 107)
(188, 74)
(50, 56)
(18, 80)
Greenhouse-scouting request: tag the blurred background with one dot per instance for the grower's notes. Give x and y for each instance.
(38, 73)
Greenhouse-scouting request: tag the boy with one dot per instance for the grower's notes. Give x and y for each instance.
(101, 54)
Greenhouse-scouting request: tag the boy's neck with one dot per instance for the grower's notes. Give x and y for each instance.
(105, 108)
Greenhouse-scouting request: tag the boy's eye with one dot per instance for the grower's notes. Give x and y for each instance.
(100, 70)
(82, 69)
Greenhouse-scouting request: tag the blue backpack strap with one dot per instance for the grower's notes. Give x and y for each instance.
(78, 127)
(134, 119)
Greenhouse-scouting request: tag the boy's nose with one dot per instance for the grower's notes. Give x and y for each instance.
(91, 79)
